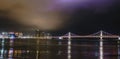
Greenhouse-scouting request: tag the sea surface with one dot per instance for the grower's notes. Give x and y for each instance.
(58, 48)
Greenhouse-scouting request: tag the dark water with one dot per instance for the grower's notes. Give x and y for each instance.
(57, 49)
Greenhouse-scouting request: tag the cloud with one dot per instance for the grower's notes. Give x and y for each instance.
(96, 5)
(46, 14)
(34, 13)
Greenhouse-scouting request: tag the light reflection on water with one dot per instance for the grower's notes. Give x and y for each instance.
(22, 48)
(55, 49)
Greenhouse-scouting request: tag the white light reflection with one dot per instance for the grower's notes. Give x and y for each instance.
(10, 55)
(2, 49)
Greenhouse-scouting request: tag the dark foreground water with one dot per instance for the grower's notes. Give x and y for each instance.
(57, 49)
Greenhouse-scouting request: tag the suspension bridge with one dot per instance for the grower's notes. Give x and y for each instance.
(72, 35)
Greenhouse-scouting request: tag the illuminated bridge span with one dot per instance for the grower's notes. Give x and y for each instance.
(94, 35)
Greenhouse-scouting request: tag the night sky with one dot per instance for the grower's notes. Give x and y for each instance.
(108, 21)
(87, 21)
(81, 20)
